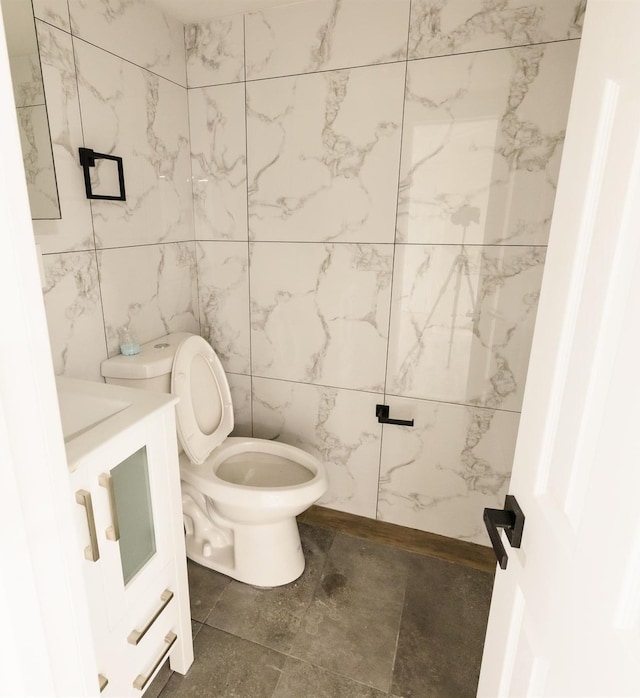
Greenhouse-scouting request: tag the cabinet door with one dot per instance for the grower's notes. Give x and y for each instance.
(131, 492)
(91, 548)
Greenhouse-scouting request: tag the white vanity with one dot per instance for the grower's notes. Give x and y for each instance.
(125, 484)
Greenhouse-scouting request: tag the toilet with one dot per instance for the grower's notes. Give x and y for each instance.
(240, 496)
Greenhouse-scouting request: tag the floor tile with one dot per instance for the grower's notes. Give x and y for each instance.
(300, 679)
(365, 620)
(351, 627)
(442, 633)
(272, 617)
(227, 667)
(205, 588)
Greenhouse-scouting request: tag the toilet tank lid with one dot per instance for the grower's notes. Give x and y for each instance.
(155, 359)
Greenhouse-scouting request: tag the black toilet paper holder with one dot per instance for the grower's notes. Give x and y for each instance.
(382, 413)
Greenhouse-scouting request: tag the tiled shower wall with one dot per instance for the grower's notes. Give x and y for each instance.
(115, 82)
(373, 182)
(373, 185)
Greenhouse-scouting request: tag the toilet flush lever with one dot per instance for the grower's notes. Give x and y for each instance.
(382, 413)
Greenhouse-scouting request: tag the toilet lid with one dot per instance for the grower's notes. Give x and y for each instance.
(204, 415)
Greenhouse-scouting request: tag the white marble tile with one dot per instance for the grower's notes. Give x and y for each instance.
(445, 27)
(482, 142)
(74, 314)
(323, 155)
(26, 78)
(151, 288)
(223, 290)
(462, 322)
(55, 12)
(137, 31)
(337, 426)
(319, 313)
(241, 397)
(215, 51)
(74, 231)
(438, 475)
(219, 162)
(132, 113)
(325, 35)
(38, 162)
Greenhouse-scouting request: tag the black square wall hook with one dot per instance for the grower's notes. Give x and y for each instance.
(88, 159)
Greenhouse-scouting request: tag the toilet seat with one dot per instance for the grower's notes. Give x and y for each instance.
(257, 500)
(204, 415)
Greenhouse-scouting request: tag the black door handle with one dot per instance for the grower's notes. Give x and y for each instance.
(382, 413)
(511, 518)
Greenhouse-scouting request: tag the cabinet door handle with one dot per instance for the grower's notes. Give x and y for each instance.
(91, 552)
(106, 481)
(142, 680)
(136, 635)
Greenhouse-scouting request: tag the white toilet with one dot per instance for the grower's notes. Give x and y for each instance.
(240, 496)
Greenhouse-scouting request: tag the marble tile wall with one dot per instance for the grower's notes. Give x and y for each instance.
(115, 81)
(350, 200)
(373, 184)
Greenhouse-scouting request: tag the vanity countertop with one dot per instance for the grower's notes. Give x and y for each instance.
(95, 413)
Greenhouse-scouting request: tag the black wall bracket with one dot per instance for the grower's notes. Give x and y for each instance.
(511, 518)
(88, 159)
(382, 413)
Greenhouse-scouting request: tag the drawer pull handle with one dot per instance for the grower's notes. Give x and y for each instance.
(103, 682)
(91, 552)
(142, 680)
(106, 481)
(136, 635)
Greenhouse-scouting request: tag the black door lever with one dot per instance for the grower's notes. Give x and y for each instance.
(382, 413)
(511, 518)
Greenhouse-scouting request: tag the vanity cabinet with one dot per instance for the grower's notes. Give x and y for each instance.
(125, 488)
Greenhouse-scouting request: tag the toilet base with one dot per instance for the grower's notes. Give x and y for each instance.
(263, 555)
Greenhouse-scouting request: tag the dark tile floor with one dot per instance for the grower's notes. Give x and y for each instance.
(365, 620)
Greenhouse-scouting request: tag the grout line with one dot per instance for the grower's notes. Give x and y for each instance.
(246, 167)
(145, 244)
(402, 60)
(215, 84)
(126, 60)
(383, 394)
(91, 214)
(193, 213)
(388, 242)
(393, 266)
(327, 70)
(46, 111)
(495, 48)
(293, 242)
(395, 649)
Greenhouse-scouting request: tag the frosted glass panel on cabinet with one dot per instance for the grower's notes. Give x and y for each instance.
(135, 514)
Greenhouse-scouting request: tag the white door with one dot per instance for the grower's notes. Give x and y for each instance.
(565, 614)
(45, 647)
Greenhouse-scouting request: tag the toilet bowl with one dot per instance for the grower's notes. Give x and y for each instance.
(240, 496)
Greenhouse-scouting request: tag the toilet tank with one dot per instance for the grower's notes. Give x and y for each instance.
(148, 370)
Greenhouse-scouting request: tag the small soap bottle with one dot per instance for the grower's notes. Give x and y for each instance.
(128, 343)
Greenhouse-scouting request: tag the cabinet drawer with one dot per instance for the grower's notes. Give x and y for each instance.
(149, 644)
(136, 645)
